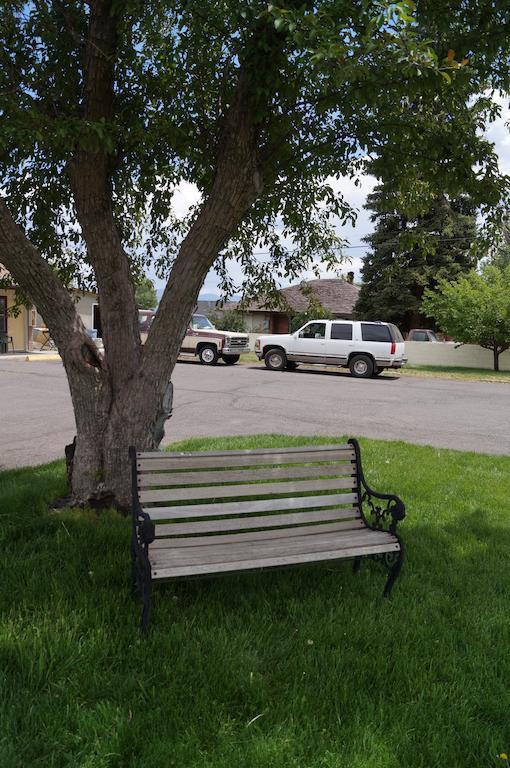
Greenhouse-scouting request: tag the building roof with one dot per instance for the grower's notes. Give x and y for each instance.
(336, 295)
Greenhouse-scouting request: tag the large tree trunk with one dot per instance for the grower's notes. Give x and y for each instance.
(100, 471)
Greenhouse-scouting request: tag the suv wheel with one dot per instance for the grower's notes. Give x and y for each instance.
(208, 355)
(231, 359)
(361, 366)
(275, 359)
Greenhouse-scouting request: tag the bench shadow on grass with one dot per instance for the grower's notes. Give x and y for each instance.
(336, 669)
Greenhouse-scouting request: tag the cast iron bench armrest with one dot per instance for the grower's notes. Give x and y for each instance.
(379, 513)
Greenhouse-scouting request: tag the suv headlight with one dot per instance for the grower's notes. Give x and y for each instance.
(257, 345)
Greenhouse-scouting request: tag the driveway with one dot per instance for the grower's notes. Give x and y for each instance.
(36, 418)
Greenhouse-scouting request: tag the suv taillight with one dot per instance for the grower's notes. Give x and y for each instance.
(393, 347)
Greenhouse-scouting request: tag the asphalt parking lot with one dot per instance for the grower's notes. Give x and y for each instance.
(36, 418)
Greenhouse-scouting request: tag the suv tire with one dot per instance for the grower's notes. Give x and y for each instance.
(231, 359)
(275, 359)
(208, 354)
(361, 366)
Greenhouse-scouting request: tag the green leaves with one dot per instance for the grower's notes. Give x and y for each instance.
(411, 252)
(475, 309)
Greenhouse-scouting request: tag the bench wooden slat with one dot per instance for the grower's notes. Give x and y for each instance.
(219, 553)
(225, 475)
(248, 489)
(254, 536)
(273, 562)
(204, 462)
(265, 521)
(249, 507)
(246, 451)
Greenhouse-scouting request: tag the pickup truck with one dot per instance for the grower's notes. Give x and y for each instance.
(366, 348)
(203, 340)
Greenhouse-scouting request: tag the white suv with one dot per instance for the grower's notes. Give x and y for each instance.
(366, 348)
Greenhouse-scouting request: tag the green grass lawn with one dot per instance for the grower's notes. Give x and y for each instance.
(307, 668)
(480, 374)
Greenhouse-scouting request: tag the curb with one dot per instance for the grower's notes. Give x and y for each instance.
(44, 358)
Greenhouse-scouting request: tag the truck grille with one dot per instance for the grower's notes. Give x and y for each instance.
(237, 342)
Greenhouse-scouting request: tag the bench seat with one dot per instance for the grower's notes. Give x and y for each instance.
(233, 555)
(200, 514)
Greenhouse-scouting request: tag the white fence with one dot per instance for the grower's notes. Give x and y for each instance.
(467, 356)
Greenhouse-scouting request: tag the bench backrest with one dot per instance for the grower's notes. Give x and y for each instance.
(222, 492)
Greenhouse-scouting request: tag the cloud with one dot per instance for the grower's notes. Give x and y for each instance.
(499, 133)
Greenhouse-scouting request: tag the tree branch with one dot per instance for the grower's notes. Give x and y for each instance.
(90, 175)
(51, 298)
(235, 188)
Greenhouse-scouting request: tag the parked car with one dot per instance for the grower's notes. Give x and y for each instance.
(366, 348)
(421, 334)
(204, 340)
(208, 343)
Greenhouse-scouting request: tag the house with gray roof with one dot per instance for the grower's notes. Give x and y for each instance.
(337, 295)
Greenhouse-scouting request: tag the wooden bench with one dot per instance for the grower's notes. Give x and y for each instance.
(199, 514)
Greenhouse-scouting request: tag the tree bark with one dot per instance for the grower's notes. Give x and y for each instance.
(496, 353)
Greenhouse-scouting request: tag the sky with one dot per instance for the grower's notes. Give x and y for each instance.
(187, 195)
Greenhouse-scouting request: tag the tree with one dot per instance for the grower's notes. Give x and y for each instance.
(475, 309)
(229, 320)
(145, 294)
(409, 255)
(107, 106)
(499, 247)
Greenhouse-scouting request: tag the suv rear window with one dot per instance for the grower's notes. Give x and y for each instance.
(341, 331)
(372, 332)
(397, 336)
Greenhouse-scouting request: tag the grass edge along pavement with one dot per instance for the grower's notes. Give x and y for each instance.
(307, 667)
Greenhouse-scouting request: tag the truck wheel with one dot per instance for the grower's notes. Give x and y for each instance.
(231, 359)
(208, 355)
(361, 366)
(275, 359)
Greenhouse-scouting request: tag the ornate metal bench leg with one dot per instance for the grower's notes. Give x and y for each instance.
(394, 569)
(356, 565)
(135, 591)
(145, 591)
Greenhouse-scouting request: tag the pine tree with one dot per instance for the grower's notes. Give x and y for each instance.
(408, 256)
